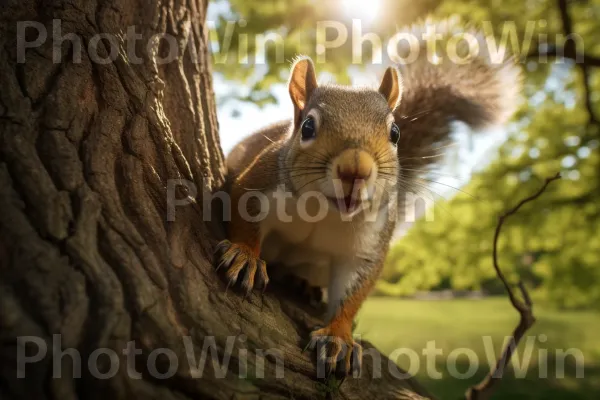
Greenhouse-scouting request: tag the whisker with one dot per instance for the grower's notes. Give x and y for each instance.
(425, 187)
(450, 186)
(420, 158)
(391, 161)
(308, 183)
(446, 146)
(436, 155)
(304, 174)
(323, 158)
(425, 171)
(416, 115)
(436, 203)
(301, 168)
(268, 138)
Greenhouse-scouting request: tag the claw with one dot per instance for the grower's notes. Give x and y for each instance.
(248, 282)
(222, 246)
(227, 258)
(262, 274)
(335, 356)
(309, 345)
(240, 259)
(246, 296)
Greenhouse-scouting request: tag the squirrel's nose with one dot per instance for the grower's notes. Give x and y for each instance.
(353, 174)
(353, 165)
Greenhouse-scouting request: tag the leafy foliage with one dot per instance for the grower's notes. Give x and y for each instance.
(553, 243)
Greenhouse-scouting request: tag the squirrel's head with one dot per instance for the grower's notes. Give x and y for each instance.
(343, 143)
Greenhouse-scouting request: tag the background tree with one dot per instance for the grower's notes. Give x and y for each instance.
(555, 243)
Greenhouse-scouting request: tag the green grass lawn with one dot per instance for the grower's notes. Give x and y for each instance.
(392, 324)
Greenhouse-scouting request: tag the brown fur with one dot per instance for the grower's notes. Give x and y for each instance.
(353, 127)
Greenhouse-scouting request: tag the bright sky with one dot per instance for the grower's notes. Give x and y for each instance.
(249, 117)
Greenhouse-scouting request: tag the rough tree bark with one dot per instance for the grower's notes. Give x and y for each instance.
(86, 251)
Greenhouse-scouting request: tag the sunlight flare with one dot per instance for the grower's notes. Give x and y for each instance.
(365, 10)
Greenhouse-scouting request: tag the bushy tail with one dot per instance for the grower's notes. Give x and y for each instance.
(480, 91)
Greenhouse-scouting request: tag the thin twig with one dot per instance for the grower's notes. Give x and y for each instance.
(484, 389)
(567, 24)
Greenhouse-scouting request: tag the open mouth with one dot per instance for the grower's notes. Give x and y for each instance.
(347, 204)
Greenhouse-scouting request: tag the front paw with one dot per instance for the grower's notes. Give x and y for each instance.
(337, 353)
(239, 259)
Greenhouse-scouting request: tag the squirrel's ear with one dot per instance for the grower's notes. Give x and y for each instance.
(302, 83)
(391, 87)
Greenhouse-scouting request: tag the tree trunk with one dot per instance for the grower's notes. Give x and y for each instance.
(90, 257)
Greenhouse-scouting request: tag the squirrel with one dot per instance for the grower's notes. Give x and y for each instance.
(319, 195)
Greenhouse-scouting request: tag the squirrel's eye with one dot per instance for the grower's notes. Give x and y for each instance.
(308, 129)
(394, 134)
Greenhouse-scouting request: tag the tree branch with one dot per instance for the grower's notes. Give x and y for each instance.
(484, 389)
(570, 45)
(565, 17)
(568, 50)
(567, 23)
(587, 85)
(564, 52)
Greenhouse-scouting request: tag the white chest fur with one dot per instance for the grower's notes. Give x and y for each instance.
(309, 238)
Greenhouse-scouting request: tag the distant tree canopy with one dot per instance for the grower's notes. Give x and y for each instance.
(554, 243)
